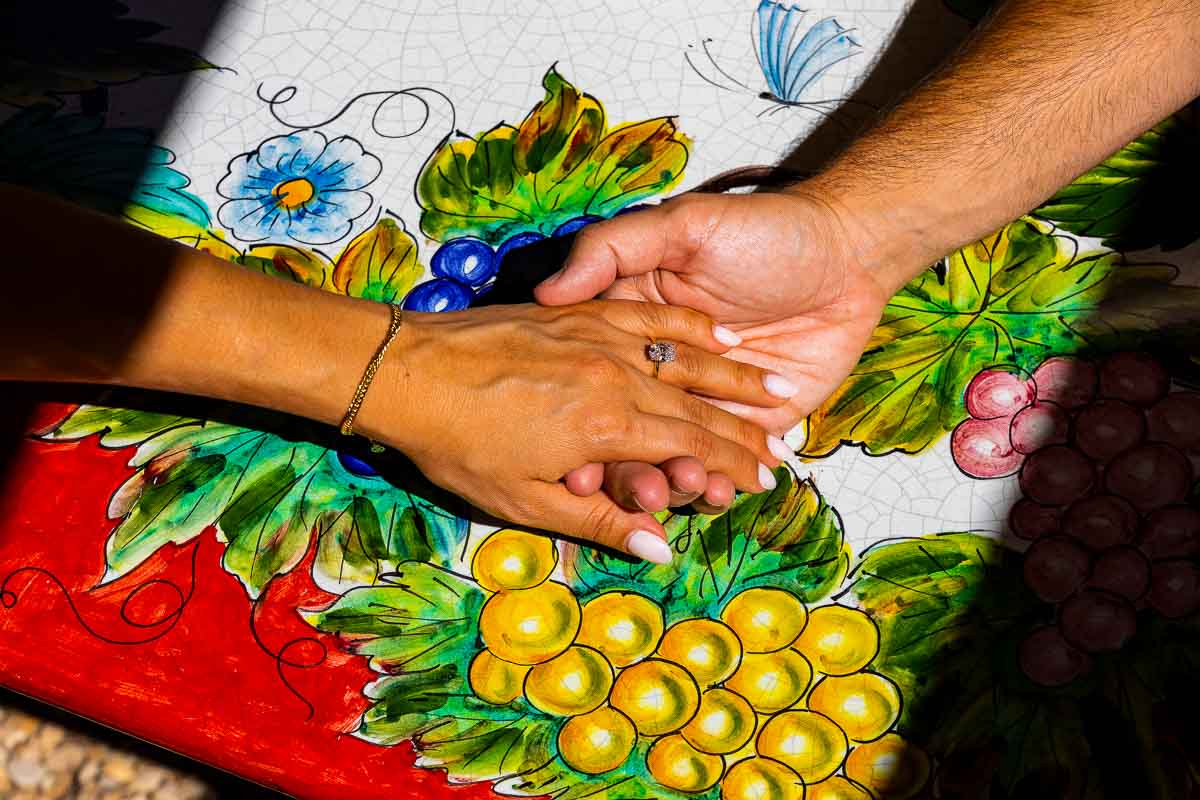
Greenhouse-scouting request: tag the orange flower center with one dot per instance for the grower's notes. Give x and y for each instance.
(294, 193)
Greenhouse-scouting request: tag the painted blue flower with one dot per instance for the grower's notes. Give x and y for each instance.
(301, 186)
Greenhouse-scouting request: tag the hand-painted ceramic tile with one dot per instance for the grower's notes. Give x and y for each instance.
(977, 578)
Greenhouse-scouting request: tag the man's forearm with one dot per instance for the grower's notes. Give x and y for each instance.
(1041, 93)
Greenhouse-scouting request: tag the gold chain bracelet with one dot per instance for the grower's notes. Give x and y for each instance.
(364, 384)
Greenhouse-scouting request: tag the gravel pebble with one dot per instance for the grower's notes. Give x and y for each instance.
(42, 760)
(118, 771)
(24, 773)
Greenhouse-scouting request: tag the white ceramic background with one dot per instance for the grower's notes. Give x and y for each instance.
(489, 56)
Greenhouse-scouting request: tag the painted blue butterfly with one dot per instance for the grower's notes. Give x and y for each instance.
(792, 55)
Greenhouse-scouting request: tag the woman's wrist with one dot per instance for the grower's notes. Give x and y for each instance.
(226, 332)
(390, 410)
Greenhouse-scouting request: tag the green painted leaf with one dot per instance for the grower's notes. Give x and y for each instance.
(246, 482)
(788, 538)
(947, 608)
(415, 619)
(368, 539)
(561, 162)
(266, 532)
(182, 230)
(1014, 298)
(1136, 198)
(951, 611)
(94, 44)
(266, 495)
(116, 427)
(404, 704)
(472, 745)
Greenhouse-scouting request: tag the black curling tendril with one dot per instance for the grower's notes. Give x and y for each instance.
(9, 599)
(286, 94)
(282, 660)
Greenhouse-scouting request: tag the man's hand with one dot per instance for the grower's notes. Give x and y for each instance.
(804, 275)
(777, 268)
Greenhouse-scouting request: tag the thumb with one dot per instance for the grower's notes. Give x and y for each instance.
(630, 244)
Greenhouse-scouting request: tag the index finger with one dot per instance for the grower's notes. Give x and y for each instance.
(628, 245)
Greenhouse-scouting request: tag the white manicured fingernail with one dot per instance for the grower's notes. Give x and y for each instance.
(726, 336)
(649, 547)
(779, 448)
(766, 478)
(779, 386)
(797, 437)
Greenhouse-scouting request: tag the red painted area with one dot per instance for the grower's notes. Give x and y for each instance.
(203, 688)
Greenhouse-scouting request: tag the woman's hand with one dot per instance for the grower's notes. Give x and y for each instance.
(499, 404)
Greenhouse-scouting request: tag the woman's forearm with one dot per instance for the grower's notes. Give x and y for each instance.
(94, 301)
(496, 404)
(1041, 93)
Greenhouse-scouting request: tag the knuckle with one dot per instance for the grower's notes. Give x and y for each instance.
(748, 378)
(601, 369)
(693, 321)
(603, 427)
(570, 324)
(599, 524)
(650, 317)
(694, 219)
(751, 436)
(700, 412)
(587, 239)
(517, 508)
(700, 444)
(737, 462)
(689, 365)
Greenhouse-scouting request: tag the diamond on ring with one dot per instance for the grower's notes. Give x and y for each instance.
(661, 352)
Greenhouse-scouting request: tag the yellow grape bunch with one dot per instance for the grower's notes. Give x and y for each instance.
(770, 701)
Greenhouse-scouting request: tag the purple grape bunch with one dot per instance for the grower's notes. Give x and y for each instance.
(1106, 456)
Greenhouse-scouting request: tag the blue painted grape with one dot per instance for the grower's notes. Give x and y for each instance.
(438, 295)
(467, 260)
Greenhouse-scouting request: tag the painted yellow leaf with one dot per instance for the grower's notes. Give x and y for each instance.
(379, 264)
(298, 264)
